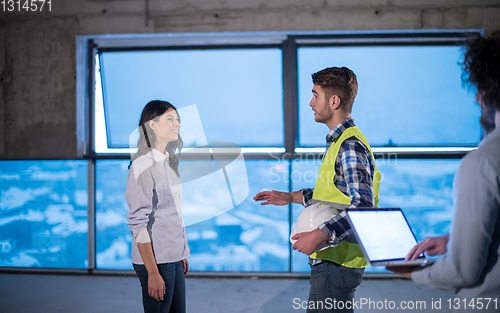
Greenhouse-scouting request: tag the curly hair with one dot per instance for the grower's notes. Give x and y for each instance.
(481, 68)
(339, 81)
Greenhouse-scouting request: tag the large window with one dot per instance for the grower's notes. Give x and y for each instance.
(238, 94)
(407, 96)
(410, 104)
(43, 214)
(246, 124)
(248, 237)
(422, 188)
(113, 239)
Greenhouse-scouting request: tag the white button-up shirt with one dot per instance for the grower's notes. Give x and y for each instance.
(154, 198)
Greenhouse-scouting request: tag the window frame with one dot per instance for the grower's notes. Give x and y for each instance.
(289, 42)
(179, 47)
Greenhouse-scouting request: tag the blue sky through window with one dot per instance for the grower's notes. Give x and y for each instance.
(410, 96)
(238, 92)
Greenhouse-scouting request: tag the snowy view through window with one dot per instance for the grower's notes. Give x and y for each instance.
(43, 216)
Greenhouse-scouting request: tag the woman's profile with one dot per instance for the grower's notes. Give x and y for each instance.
(154, 197)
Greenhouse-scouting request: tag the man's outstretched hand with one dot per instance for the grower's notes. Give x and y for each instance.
(274, 197)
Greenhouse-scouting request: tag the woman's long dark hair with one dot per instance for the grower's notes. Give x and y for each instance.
(147, 138)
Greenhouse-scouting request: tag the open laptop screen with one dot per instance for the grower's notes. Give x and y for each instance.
(384, 233)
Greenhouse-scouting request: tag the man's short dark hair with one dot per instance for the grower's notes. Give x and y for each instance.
(481, 68)
(339, 81)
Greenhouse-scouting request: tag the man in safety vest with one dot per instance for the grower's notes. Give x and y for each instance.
(347, 178)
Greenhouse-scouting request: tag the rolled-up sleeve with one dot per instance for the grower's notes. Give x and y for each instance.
(140, 203)
(307, 194)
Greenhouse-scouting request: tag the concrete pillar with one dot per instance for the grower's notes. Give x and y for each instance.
(39, 82)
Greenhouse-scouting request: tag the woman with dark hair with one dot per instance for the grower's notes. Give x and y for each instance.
(154, 197)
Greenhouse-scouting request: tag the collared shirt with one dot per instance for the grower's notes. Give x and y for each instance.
(471, 263)
(154, 197)
(354, 170)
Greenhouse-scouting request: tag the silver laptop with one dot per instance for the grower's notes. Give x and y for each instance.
(384, 235)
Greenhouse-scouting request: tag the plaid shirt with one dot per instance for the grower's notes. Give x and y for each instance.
(354, 170)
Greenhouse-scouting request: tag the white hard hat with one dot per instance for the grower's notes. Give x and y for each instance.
(312, 217)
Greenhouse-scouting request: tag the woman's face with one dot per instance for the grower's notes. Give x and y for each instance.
(167, 127)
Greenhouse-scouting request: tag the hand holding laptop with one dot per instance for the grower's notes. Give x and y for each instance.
(431, 245)
(404, 271)
(385, 236)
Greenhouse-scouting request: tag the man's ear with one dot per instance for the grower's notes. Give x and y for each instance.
(334, 102)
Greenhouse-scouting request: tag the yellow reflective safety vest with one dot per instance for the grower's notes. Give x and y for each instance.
(348, 254)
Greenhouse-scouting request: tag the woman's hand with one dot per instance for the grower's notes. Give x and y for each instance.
(430, 245)
(156, 286)
(274, 197)
(185, 264)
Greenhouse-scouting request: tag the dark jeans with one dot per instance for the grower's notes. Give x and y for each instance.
(174, 300)
(332, 287)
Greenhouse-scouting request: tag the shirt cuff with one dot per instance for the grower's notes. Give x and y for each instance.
(420, 276)
(142, 236)
(327, 231)
(307, 194)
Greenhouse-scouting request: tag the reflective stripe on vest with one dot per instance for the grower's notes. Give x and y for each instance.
(346, 253)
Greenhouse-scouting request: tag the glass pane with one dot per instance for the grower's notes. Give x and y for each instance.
(422, 188)
(304, 174)
(43, 214)
(249, 237)
(113, 238)
(237, 89)
(407, 96)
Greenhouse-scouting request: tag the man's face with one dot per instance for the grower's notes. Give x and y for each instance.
(487, 119)
(320, 105)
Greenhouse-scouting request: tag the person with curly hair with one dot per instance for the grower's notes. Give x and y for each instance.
(470, 261)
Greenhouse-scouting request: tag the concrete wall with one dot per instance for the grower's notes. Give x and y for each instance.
(37, 49)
